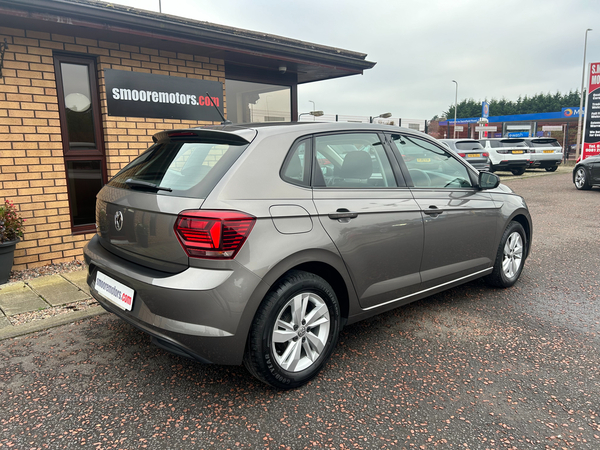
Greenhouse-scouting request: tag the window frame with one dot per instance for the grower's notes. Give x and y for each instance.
(92, 154)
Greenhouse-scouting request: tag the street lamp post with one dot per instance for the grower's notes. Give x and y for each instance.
(455, 105)
(314, 107)
(312, 113)
(383, 116)
(578, 144)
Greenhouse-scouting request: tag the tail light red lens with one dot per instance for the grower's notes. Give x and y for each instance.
(213, 234)
(462, 155)
(486, 154)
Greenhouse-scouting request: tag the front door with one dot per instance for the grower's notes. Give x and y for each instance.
(460, 221)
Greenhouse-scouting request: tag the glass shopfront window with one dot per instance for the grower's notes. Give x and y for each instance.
(258, 102)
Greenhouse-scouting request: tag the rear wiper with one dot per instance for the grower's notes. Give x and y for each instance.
(145, 185)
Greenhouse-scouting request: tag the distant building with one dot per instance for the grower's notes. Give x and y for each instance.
(560, 125)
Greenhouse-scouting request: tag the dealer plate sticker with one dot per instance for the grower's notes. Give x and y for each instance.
(112, 290)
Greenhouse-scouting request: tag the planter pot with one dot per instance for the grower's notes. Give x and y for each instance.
(7, 252)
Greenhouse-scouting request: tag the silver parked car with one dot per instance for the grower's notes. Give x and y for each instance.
(256, 244)
(471, 150)
(545, 153)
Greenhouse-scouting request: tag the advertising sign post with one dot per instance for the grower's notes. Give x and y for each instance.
(591, 127)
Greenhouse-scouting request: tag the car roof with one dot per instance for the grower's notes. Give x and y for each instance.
(248, 130)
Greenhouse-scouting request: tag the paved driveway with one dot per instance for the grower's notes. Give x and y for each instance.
(472, 368)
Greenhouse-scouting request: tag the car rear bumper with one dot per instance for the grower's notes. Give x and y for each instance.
(545, 160)
(482, 167)
(195, 313)
(511, 165)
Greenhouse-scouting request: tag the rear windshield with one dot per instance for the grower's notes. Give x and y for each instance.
(468, 145)
(508, 143)
(180, 168)
(544, 143)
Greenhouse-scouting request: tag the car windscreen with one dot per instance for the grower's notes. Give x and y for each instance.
(189, 168)
(468, 145)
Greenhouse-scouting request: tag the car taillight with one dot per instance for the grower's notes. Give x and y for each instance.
(462, 155)
(486, 154)
(213, 234)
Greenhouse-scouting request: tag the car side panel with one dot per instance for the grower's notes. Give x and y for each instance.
(462, 239)
(382, 245)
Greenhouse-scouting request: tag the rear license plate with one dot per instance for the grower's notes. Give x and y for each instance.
(517, 152)
(548, 151)
(423, 160)
(474, 155)
(112, 290)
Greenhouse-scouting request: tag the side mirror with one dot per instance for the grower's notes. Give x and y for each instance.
(488, 180)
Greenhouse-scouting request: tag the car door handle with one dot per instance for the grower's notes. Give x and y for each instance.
(342, 213)
(433, 211)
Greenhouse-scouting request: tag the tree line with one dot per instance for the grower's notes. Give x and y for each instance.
(539, 103)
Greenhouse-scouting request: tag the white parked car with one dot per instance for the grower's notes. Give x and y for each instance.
(545, 153)
(511, 154)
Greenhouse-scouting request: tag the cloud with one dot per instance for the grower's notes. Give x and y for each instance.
(493, 49)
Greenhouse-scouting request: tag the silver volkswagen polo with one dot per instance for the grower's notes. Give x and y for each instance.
(256, 244)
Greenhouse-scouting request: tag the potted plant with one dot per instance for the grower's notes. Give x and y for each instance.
(11, 232)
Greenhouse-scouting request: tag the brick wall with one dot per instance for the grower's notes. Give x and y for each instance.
(32, 171)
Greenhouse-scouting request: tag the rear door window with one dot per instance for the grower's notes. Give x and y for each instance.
(354, 160)
(181, 168)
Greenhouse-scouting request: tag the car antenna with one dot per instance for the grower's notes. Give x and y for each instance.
(225, 121)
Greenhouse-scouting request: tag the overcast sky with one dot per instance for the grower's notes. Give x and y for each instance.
(493, 49)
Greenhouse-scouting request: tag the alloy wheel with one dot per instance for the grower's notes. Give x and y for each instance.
(580, 178)
(300, 332)
(513, 255)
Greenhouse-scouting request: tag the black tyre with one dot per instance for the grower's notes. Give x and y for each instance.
(551, 169)
(295, 330)
(510, 257)
(581, 179)
(520, 171)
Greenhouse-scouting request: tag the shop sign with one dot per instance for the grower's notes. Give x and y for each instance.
(518, 134)
(591, 129)
(485, 110)
(134, 94)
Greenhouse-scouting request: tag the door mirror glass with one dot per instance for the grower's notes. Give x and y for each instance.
(488, 180)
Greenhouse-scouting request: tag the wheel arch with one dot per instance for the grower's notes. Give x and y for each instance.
(324, 263)
(527, 226)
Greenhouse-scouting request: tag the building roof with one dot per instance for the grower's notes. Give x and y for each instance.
(560, 116)
(236, 46)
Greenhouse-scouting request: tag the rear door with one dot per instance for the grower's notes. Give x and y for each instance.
(459, 220)
(369, 214)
